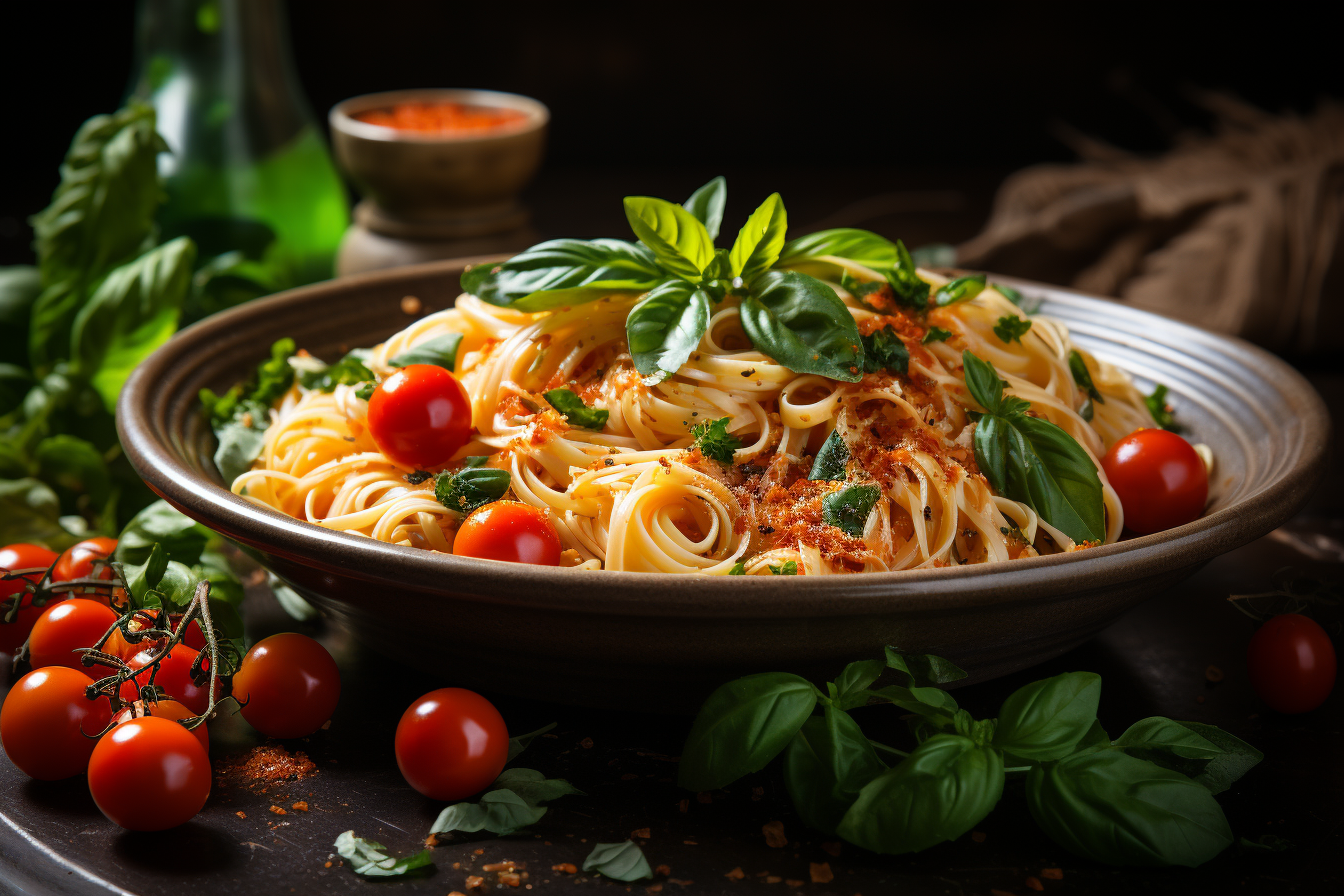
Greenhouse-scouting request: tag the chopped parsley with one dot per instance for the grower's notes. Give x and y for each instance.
(713, 440)
(1161, 411)
(349, 371)
(935, 334)
(739, 569)
(1011, 328)
(789, 568)
(905, 282)
(884, 350)
(575, 411)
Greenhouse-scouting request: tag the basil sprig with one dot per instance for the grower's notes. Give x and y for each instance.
(1145, 798)
(441, 351)
(471, 487)
(1083, 379)
(792, 317)
(575, 411)
(1033, 461)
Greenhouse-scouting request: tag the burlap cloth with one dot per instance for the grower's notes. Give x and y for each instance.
(1236, 231)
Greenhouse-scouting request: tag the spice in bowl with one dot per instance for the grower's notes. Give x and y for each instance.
(446, 118)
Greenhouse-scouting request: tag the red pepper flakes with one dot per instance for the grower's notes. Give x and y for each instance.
(773, 878)
(821, 872)
(793, 883)
(566, 868)
(654, 888)
(831, 848)
(479, 852)
(681, 883)
(499, 866)
(640, 834)
(684, 805)
(1052, 873)
(432, 840)
(300, 806)
(586, 743)
(690, 843)
(509, 879)
(267, 764)
(757, 793)
(1001, 893)
(735, 874)
(276, 810)
(978, 836)
(457, 893)
(328, 865)
(241, 814)
(663, 870)
(474, 882)
(774, 834)
(1034, 884)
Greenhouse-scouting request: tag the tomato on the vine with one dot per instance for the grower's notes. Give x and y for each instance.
(163, 709)
(1160, 478)
(288, 685)
(1292, 663)
(173, 677)
(66, 626)
(48, 725)
(451, 743)
(420, 416)
(149, 774)
(21, 556)
(77, 563)
(118, 645)
(508, 530)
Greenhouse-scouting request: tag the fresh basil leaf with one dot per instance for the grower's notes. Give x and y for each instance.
(618, 861)
(1164, 735)
(983, 382)
(20, 285)
(939, 792)
(676, 237)
(934, 704)
(520, 743)
(924, 669)
(564, 272)
(533, 786)
(884, 350)
(182, 538)
(100, 216)
(848, 508)
(470, 488)
(1112, 808)
(368, 859)
(31, 511)
(860, 289)
(575, 411)
(1009, 293)
(862, 246)
(908, 287)
(991, 450)
(132, 312)
(713, 440)
(499, 812)
(832, 459)
(365, 392)
(851, 688)
(1082, 377)
(349, 371)
(1161, 411)
(665, 328)
(760, 240)
(1087, 411)
(1046, 719)
(707, 204)
(239, 446)
(742, 726)
(961, 289)
(1232, 758)
(476, 460)
(75, 469)
(788, 568)
(739, 569)
(440, 351)
(801, 323)
(935, 334)
(826, 765)
(1096, 738)
(1051, 472)
(1011, 327)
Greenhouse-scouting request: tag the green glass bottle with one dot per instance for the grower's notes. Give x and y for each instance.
(249, 177)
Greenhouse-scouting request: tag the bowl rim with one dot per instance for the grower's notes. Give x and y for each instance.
(342, 120)
(930, 591)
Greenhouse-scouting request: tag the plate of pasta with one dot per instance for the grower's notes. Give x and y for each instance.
(671, 459)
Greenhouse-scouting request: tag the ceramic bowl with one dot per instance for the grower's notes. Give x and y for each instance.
(661, 642)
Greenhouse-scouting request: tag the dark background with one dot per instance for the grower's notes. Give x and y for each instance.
(652, 95)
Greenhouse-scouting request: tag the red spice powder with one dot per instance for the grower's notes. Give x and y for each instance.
(267, 764)
(441, 118)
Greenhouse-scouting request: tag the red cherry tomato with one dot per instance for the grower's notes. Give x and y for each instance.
(173, 677)
(68, 625)
(20, 556)
(45, 719)
(1161, 480)
(288, 685)
(117, 645)
(77, 563)
(1292, 663)
(149, 774)
(163, 709)
(420, 416)
(451, 743)
(507, 530)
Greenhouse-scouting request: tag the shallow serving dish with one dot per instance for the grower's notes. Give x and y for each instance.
(659, 641)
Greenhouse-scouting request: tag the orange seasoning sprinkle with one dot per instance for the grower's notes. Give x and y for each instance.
(442, 118)
(268, 764)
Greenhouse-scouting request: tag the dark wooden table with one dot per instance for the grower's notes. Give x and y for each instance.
(1154, 661)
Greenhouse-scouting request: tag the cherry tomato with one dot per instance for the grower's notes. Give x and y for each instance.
(45, 719)
(149, 774)
(77, 563)
(117, 645)
(20, 556)
(288, 685)
(507, 530)
(174, 677)
(451, 743)
(1292, 663)
(420, 416)
(68, 625)
(1161, 481)
(163, 709)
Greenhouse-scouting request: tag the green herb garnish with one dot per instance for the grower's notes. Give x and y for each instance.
(575, 411)
(935, 334)
(471, 487)
(1161, 411)
(713, 440)
(884, 350)
(1010, 328)
(848, 508)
